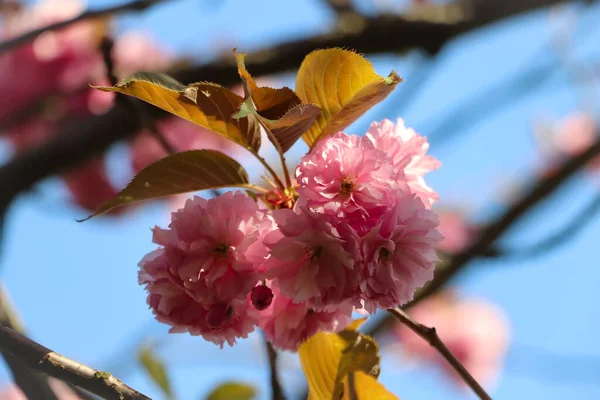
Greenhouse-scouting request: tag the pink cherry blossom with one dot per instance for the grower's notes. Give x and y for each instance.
(287, 324)
(262, 297)
(398, 254)
(457, 232)
(215, 246)
(218, 321)
(345, 174)
(407, 150)
(476, 332)
(575, 133)
(313, 258)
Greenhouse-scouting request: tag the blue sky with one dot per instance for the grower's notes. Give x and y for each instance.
(76, 284)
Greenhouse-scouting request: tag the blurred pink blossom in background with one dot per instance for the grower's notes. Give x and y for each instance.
(476, 332)
(457, 232)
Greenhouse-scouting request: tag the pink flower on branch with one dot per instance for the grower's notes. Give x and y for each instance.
(407, 150)
(313, 258)
(211, 257)
(287, 324)
(399, 254)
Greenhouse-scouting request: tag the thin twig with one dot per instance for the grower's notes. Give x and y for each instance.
(430, 336)
(42, 359)
(136, 5)
(277, 391)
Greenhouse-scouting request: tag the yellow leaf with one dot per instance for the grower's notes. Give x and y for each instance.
(188, 171)
(206, 104)
(361, 386)
(327, 359)
(232, 391)
(280, 111)
(269, 102)
(344, 85)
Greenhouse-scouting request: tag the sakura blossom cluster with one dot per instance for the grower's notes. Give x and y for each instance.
(53, 90)
(360, 235)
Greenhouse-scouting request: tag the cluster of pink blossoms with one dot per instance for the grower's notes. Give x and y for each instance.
(360, 235)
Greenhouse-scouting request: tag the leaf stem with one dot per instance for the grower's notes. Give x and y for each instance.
(278, 181)
(430, 336)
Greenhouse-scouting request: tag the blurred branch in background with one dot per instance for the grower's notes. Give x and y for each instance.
(276, 389)
(553, 242)
(494, 230)
(93, 135)
(136, 5)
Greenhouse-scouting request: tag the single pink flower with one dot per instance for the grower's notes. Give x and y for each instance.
(407, 150)
(215, 246)
(398, 255)
(457, 232)
(287, 324)
(312, 258)
(575, 133)
(261, 296)
(476, 332)
(345, 174)
(217, 321)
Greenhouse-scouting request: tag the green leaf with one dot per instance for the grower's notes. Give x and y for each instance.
(206, 104)
(155, 368)
(183, 172)
(345, 86)
(232, 391)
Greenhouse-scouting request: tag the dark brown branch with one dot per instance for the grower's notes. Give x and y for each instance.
(276, 390)
(494, 230)
(32, 384)
(430, 336)
(381, 34)
(42, 359)
(136, 5)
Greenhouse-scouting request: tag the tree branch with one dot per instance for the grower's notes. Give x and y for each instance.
(276, 390)
(33, 384)
(42, 359)
(431, 337)
(93, 135)
(564, 235)
(494, 230)
(135, 5)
